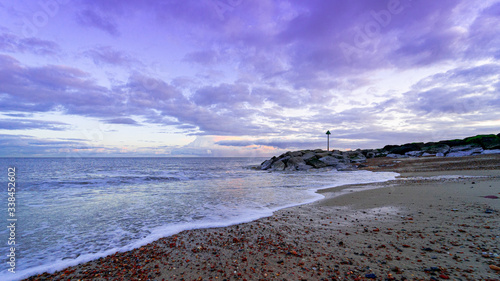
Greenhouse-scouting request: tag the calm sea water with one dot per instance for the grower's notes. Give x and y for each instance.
(71, 211)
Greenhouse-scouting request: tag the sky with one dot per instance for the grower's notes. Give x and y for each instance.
(243, 78)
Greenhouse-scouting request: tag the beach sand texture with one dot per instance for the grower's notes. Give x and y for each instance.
(434, 222)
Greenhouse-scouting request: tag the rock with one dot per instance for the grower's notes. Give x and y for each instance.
(294, 162)
(402, 149)
(416, 153)
(308, 155)
(296, 153)
(392, 155)
(425, 154)
(315, 163)
(285, 159)
(371, 154)
(278, 166)
(267, 164)
(452, 142)
(336, 152)
(439, 154)
(494, 267)
(491, 151)
(345, 167)
(465, 147)
(323, 154)
(464, 150)
(329, 160)
(434, 148)
(304, 167)
(356, 157)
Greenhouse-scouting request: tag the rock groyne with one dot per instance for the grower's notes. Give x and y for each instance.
(350, 160)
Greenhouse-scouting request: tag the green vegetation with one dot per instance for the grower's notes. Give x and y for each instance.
(485, 141)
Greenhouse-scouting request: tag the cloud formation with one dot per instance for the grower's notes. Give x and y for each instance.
(27, 124)
(92, 18)
(267, 73)
(13, 44)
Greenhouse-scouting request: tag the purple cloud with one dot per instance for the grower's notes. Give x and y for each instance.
(41, 89)
(92, 18)
(484, 33)
(12, 43)
(461, 90)
(28, 146)
(123, 121)
(224, 94)
(276, 143)
(29, 124)
(107, 55)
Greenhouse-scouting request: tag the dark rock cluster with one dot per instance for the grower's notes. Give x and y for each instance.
(309, 159)
(480, 144)
(350, 160)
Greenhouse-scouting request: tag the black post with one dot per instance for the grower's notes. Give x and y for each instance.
(328, 140)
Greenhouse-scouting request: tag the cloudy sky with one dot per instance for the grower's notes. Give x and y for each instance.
(241, 77)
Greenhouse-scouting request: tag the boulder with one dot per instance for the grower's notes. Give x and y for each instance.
(464, 152)
(402, 149)
(392, 155)
(370, 154)
(358, 158)
(433, 148)
(381, 153)
(315, 163)
(491, 151)
(345, 167)
(278, 166)
(308, 155)
(296, 153)
(323, 154)
(285, 159)
(304, 167)
(267, 164)
(294, 162)
(416, 153)
(329, 160)
(452, 142)
(463, 147)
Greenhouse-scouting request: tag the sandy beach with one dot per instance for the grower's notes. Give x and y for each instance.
(439, 220)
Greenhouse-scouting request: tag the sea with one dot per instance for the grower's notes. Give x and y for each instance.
(72, 210)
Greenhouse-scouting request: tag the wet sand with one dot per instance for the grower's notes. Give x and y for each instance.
(433, 222)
